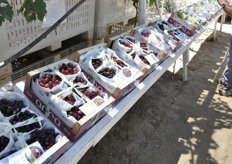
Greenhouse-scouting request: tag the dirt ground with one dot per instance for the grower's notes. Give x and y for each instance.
(176, 121)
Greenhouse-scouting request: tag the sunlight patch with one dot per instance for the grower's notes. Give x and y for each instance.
(202, 97)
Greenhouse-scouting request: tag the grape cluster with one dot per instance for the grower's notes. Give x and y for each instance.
(131, 39)
(89, 94)
(161, 27)
(22, 116)
(10, 107)
(133, 55)
(70, 99)
(68, 69)
(144, 60)
(46, 137)
(143, 45)
(165, 23)
(3, 142)
(96, 63)
(107, 72)
(126, 44)
(76, 113)
(79, 79)
(173, 34)
(146, 33)
(119, 62)
(28, 128)
(49, 81)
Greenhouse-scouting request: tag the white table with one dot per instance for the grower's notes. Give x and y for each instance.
(98, 131)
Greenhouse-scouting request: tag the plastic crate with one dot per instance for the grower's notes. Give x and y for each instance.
(17, 34)
(109, 12)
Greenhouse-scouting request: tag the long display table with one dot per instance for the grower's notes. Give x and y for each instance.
(76, 150)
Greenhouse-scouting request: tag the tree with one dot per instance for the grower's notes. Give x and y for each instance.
(31, 10)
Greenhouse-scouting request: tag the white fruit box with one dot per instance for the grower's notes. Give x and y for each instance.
(191, 18)
(152, 40)
(56, 108)
(182, 22)
(9, 127)
(107, 69)
(143, 60)
(169, 30)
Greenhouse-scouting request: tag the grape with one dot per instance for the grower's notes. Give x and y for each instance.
(70, 99)
(144, 60)
(172, 33)
(131, 39)
(107, 72)
(96, 63)
(76, 113)
(3, 142)
(89, 94)
(161, 27)
(146, 33)
(46, 137)
(11, 107)
(28, 128)
(22, 116)
(79, 79)
(49, 81)
(125, 43)
(133, 55)
(143, 45)
(68, 69)
(119, 62)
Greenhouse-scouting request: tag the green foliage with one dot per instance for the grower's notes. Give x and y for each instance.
(6, 11)
(135, 2)
(31, 10)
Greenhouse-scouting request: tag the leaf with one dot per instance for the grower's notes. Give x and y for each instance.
(6, 10)
(152, 2)
(26, 2)
(3, 1)
(40, 9)
(1, 20)
(33, 9)
(29, 15)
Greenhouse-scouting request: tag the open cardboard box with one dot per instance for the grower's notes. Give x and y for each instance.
(125, 80)
(44, 103)
(183, 25)
(145, 68)
(160, 53)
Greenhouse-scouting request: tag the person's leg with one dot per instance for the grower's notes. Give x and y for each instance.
(228, 74)
(229, 70)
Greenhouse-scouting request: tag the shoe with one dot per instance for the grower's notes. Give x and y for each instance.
(225, 92)
(222, 81)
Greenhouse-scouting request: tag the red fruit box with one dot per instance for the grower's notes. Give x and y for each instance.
(56, 108)
(108, 70)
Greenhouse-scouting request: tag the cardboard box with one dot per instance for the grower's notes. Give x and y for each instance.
(123, 80)
(44, 101)
(136, 62)
(170, 31)
(182, 24)
(155, 42)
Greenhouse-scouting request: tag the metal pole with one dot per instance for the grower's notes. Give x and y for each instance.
(142, 12)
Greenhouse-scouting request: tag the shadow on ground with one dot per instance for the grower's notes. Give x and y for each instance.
(173, 118)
